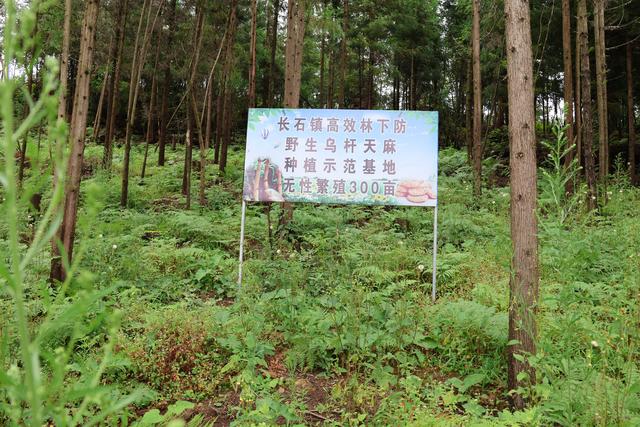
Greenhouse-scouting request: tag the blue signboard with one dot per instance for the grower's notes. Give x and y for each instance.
(342, 156)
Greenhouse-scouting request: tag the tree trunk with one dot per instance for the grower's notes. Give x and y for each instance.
(601, 88)
(322, 49)
(77, 138)
(151, 114)
(29, 69)
(578, 96)
(630, 116)
(587, 121)
(469, 114)
(191, 114)
(114, 90)
(97, 122)
(274, 47)
(227, 108)
(64, 61)
(166, 86)
(343, 53)
(477, 103)
(524, 229)
(293, 73)
(252, 54)
(568, 83)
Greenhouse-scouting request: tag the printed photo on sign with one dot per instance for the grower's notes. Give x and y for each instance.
(342, 156)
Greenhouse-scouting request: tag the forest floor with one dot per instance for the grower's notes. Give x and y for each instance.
(334, 323)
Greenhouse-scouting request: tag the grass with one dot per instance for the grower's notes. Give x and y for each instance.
(333, 324)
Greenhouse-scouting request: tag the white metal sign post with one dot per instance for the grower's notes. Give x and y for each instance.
(366, 157)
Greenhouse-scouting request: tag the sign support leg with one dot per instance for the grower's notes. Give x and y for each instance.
(244, 209)
(435, 252)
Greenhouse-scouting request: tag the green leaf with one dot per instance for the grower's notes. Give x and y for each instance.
(152, 417)
(179, 407)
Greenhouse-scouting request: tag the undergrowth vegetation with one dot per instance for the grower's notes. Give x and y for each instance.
(333, 324)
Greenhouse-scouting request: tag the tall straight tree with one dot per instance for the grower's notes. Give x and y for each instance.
(601, 88)
(64, 61)
(166, 86)
(273, 47)
(631, 114)
(114, 91)
(477, 102)
(586, 112)
(139, 56)
(252, 54)
(225, 113)
(568, 81)
(293, 72)
(191, 113)
(77, 138)
(524, 227)
(343, 53)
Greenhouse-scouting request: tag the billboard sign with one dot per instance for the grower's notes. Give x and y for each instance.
(365, 157)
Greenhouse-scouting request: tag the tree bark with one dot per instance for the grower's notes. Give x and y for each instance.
(568, 83)
(192, 115)
(64, 61)
(114, 90)
(166, 86)
(578, 96)
(343, 53)
(601, 88)
(524, 228)
(97, 122)
(469, 114)
(77, 138)
(252, 54)
(272, 55)
(587, 121)
(477, 103)
(227, 107)
(151, 114)
(631, 115)
(293, 73)
(139, 57)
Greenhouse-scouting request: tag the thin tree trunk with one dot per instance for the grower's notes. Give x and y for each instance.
(64, 61)
(29, 67)
(151, 116)
(477, 103)
(469, 114)
(568, 83)
(631, 115)
(331, 83)
(587, 123)
(252, 54)
(139, 57)
(77, 138)
(97, 122)
(274, 47)
(227, 108)
(343, 53)
(293, 73)
(601, 88)
(578, 96)
(166, 86)
(524, 228)
(114, 91)
(191, 114)
(57, 272)
(322, 53)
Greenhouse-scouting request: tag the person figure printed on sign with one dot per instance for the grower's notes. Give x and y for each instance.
(264, 183)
